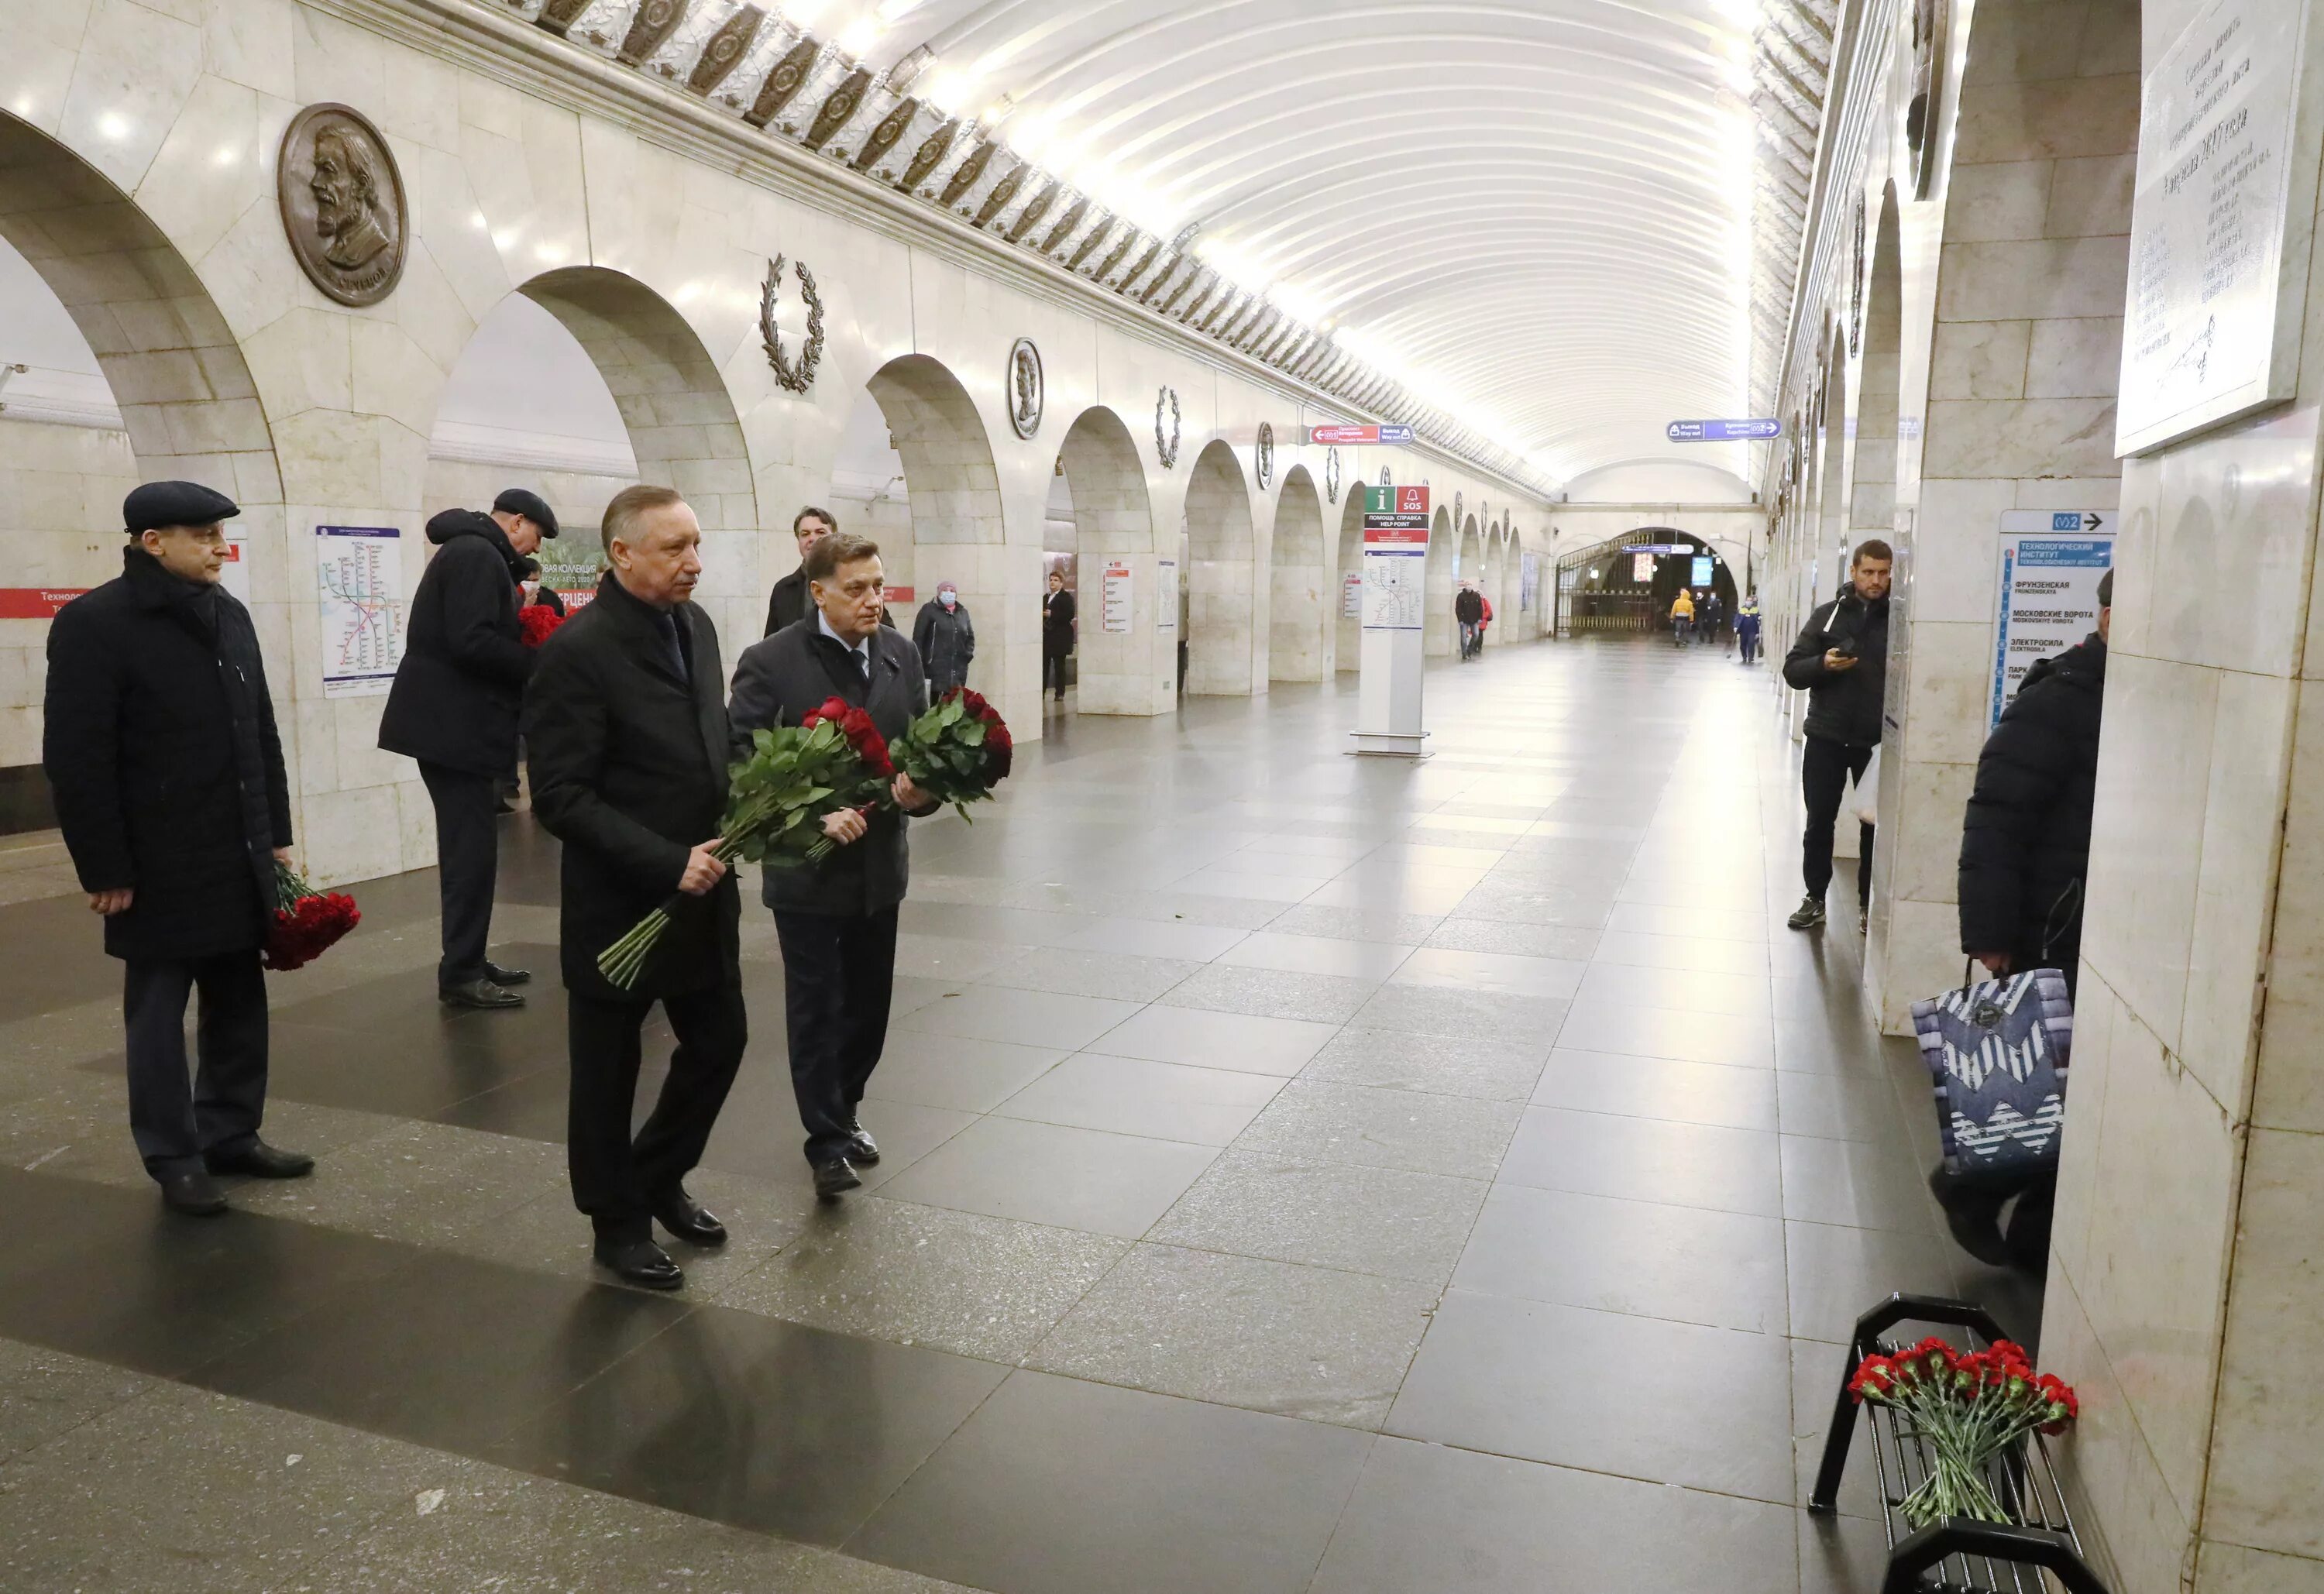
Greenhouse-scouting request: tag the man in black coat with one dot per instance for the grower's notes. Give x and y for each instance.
(625, 726)
(836, 919)
(1468, 608)
(2025, 838)
(1842, 661)
(946, 639)
(1057, 632)
(788, 603)
(161, 749)
(454, 708)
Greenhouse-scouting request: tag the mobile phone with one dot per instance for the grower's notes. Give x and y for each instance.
(1845, 647)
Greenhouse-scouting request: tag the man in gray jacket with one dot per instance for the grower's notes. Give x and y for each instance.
(836, 919)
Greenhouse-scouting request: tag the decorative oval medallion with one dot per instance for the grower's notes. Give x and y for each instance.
(1266, 460)
(1026, 395)
(342, 204)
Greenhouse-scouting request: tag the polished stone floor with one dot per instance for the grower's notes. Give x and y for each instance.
(1303, 1172)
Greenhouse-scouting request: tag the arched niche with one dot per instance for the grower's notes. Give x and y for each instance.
(1439, 632)
(1301, 635)
(1226, 649)
(1131, 670)
(1347, 626)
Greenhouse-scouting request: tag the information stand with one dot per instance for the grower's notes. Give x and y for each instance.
(1395, 614)
(2051, 561)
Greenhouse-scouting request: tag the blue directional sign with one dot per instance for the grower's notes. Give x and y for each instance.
(1395, 437)
(1723, 431)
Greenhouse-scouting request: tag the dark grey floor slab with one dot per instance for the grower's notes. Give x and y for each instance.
(1134, 1096)
(961, 1075)
(1426, 1517)
(1024, 1017)
(1204, 1039)
(1866, 1184)
(1391, 1128)
(1838, 1272)
(1367, 1220)
(1686, 1264)
(1068, 1178)
(1299, 1342)
(1669, 1403)
(1647, 1159)
(755, 1423)
(1659, 1087)
(1061, 1487)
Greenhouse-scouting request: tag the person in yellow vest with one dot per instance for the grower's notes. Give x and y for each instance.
(1682, 616)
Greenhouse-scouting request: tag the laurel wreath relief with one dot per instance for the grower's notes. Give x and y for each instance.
(800, 376)
(1166, 446)
(1331, 476)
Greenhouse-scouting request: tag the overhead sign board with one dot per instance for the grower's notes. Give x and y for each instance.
(2051, 561)
(1391, 437)
(1723, 431)
(1658, 548)
(2212, 320)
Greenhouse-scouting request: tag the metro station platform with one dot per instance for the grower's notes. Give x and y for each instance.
(1303, 1172)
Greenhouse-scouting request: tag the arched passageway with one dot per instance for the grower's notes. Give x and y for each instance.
(1347, 607)
(1225, 642)
(1302, 634)
(1131, 669)
(1439, 635)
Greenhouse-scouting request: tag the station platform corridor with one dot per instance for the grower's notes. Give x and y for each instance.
(1303, 1172)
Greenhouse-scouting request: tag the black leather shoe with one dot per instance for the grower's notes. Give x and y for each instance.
(690, 1221)
(260, 1161)
(640, 1262)
(500, 976)
(478, 993)
(834, 1176)
(194, 1193)
(862, 1149)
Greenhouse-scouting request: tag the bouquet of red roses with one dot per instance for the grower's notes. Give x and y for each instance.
(307, 922)
(957, 751)
(535, 622)
(776, 802)
(1971, 1407)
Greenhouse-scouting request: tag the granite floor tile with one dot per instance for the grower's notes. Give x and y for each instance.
(1269, 1336)
(960, 1074)
(1387, 1221)
(1393, 926)
(1021, 1018)
(1395, 1059)
(1836, 1274)
(1647, 1159)
(1511, 972)
(1566, 942)
(1839, 1106)
(45, 1393)
(1703, 953)
(1200, 1038)
(1421, 1131)
(1463, 1015)
(1049, 1173)
(1121, 976)
(1689, 990)
(1315, 954)
(1272, 993)
(1659, 1087)
(1864, 1185)
(1133, 1096)
(1648, 1032)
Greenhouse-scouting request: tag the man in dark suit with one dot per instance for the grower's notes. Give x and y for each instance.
(836, 919)
(788, 603)
(454, 708)
(1057, 632)
(161, 748)
(625, 726)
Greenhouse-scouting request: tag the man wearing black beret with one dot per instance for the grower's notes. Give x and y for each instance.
(454, 707)
(161, 749)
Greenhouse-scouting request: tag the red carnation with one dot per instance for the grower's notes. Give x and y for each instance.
(310, 923)
(535, 622)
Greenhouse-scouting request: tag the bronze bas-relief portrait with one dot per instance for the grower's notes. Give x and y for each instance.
(342, 203)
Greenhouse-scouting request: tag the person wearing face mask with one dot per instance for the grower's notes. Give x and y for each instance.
(625, 723)
(161, 748)
(946, 640)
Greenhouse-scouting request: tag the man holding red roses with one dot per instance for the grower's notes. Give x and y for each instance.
(160, 745)
(837, 918)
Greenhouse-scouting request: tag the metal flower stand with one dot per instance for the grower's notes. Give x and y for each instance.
(1958, 1555)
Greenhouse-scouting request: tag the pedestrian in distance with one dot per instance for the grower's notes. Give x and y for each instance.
(625, 722)
(454, 708)
(160, 745)
(1469, 610)
(1746, 627)
(1841, 660)
(534, 592)
(1709, 615)
(836, 919)
(1057, 633)
(1484, 620)
(1681, 617)
(946, 640)
(788, 604)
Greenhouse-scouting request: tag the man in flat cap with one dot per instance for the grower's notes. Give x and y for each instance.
(454, 707)
(160, 750)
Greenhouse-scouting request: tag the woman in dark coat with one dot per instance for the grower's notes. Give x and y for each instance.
(161, 749)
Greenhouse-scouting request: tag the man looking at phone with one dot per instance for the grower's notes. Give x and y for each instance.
(1842, 661)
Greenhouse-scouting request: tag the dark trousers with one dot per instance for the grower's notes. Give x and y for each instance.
(838, 975)
(173, 1120)
(617, 1178)
(1826, 767)
(1053, 670)
(1750, 645)
(467, 862)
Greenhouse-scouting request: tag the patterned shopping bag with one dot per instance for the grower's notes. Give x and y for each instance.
(1997, 1052)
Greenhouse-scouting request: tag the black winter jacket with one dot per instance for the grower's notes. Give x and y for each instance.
(461, 685)
(1468, 606)
(779, 681)
(161, 748)
(1057, 623)
(2025, 838)
(946, 639)
(1843, 705)
(629, 770)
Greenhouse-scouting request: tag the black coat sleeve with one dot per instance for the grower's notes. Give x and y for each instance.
(2024, 766)
(924, 629)
(472, 600)
(754, 702)
(1804, 665)
(269, 751)
(80, 749)
(967, 637)
(565, 735)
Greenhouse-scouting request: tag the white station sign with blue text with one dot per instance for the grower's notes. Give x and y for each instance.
(2051, 561)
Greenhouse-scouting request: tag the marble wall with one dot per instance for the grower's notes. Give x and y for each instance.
(60, 493)
(139, 176)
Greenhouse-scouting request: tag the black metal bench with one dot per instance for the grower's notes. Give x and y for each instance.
(1957, 1555)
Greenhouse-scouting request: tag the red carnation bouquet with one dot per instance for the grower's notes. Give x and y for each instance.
(1971, 1407)
(776, 802)
(535, 622)
(957, 751)
(308, 923)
